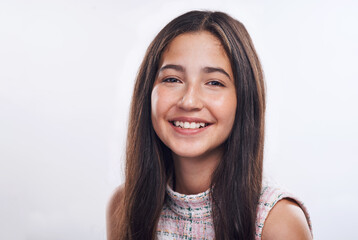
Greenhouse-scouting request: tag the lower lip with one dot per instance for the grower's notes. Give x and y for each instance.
(188, 131)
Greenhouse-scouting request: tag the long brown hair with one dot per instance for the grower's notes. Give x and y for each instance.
(149, 163)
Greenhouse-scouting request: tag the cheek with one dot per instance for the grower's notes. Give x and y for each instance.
(160, 104)
(225, 107)
(154, 102)
(155, 109)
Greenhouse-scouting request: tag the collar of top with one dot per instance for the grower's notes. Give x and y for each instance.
(193, 207)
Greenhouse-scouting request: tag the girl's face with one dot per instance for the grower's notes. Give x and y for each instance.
(194, 97)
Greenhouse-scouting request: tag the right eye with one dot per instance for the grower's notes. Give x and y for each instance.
(171, 80)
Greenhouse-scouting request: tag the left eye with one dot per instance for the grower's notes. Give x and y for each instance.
(171, 80)
(216, 83)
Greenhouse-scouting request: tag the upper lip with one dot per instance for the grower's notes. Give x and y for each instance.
(189, 119)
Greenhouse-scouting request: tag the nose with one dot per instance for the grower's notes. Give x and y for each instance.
(191, 99)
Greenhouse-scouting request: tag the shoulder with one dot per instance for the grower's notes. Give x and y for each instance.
(286, 220)
(115, 199)
(112, 209)
(281, 215)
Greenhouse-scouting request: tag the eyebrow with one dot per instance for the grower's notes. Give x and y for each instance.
(216, 69)
(180, 68)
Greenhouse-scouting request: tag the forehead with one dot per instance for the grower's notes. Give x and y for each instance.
(200, 46)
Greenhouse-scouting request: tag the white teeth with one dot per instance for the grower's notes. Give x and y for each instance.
(187, 125)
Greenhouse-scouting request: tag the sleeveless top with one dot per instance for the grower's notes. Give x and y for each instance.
(189, 216)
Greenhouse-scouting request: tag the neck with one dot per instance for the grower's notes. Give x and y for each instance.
(193, 174)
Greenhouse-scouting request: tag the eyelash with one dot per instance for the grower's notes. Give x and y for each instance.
(217, 83)
(212, 83)
(170, 78)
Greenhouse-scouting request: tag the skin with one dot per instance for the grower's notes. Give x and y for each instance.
(115, 200)
(190, 90)
(286, 221)
(194, 80)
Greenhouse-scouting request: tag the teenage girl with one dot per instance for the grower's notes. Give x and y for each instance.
(195, 142)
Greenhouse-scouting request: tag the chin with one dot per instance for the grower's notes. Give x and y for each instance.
(184, 153)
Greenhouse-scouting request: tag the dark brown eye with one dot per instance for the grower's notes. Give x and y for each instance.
(216, 83)
(171, 80)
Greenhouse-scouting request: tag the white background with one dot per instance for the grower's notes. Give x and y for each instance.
(66, 76)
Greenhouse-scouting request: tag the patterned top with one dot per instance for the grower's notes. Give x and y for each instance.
(189, 216)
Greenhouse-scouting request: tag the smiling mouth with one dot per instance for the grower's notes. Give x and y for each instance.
(189, 125)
